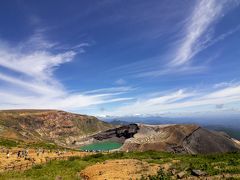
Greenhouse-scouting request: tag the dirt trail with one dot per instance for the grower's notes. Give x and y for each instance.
(13, 162)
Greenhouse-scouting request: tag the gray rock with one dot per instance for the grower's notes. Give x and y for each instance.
(181, 175)
(196, 172)
(173, 171)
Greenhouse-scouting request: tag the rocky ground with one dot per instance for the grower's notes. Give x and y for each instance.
(119, 169)
(125, 169)
(34, 157)
(132, 165)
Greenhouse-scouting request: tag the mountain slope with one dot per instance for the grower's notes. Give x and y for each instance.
(179, 138)
(60, 127)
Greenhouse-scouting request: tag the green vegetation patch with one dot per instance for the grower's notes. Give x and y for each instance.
(102, 146)
(8, 143)
(52, 170)
(42, 145)
(161, 175)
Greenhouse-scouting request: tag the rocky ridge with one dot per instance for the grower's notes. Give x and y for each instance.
(60, 127)
(177, 138)
(74, 130)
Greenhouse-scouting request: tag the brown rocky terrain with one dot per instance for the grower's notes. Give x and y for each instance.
(74, 130)
(60, 127)
(119, 169)
(15, 163)
(179, 138)
(125, 169)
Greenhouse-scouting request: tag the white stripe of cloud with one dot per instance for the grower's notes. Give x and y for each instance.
(120, 89)
(29, 81)
(196, 36)
(38, 88)
(205, 13)
(180, 100)
(38, 64)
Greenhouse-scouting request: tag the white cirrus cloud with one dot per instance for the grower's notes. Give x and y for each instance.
(27, 78)
(197, 34)
(38, 64)
(181, 100)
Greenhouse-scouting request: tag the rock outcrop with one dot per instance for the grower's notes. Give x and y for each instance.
(119, 134)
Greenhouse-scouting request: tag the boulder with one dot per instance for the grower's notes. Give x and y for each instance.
(196, 172)
(181, 175)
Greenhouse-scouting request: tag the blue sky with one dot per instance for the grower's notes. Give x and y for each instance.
(116, 57)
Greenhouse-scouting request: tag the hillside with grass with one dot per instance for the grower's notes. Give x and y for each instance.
(63, 145)
(47, 126)
(163, 166)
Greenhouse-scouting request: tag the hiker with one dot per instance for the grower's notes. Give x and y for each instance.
(19, 154)
(22, 154)
(38, 152)
(27, 152)
(8, 154)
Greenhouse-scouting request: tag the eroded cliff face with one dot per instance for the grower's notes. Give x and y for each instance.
(185, 138)
(205, 141)
(119, 134)
(180, 139)
(60, 127)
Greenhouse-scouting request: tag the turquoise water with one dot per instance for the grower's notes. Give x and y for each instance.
(102, 146)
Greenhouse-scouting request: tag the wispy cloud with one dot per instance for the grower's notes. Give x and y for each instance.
(29, 80)
(33, 57)
(196, 36)
(197, 29)
(42, 63)
(32, 85)
(79, 48)
(180, 100)
(37, 41)
(226, 84)
(119, 89)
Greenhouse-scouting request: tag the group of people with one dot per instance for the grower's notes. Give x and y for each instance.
(20, 153)
(24, 153)
(98, 151)
(42, 151)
